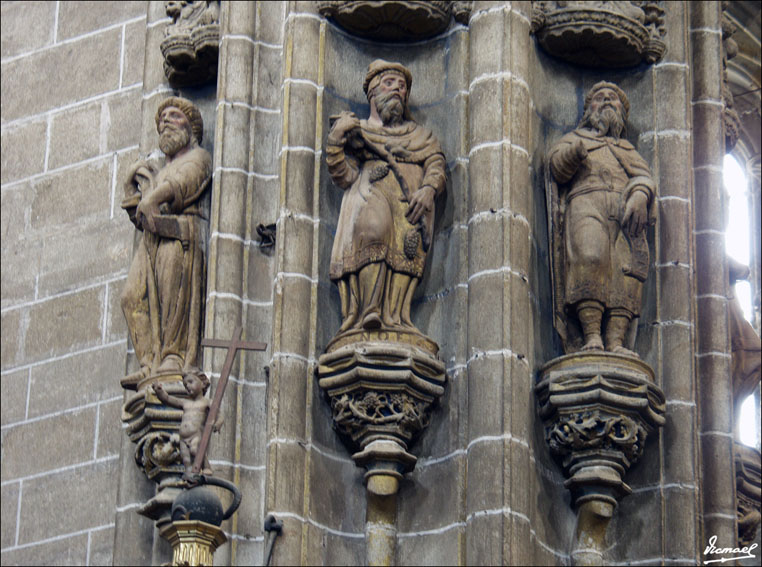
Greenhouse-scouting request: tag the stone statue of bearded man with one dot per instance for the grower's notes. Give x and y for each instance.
(601, 199)
(391, 170)
(163, 297)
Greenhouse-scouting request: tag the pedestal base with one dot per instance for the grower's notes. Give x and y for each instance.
(381, 395)
(598, 410)
(151, 426)
(193, 542)
(381, 391)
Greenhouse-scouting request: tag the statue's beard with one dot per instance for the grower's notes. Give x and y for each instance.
(606, 121)
(173, 139)
(390, 108)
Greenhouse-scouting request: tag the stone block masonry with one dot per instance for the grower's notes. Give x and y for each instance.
(72, 85)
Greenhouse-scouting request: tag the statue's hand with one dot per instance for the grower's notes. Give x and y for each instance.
(421, 202)
(579, 150)
(635, 213)
(346, 122)
(146, 214)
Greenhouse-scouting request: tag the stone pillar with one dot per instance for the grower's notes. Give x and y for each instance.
(500, 362)
(714, 392)
(244, 195)
(290, 398)
(672, 327)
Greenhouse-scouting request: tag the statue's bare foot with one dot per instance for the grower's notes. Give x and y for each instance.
(619, 349)
(593, 343)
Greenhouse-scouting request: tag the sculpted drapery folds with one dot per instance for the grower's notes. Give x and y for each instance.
(164, 293)
(391, 170)
(601, 200)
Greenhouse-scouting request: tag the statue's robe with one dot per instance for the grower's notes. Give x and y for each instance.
(597, 260)
(164, 293)
(372, 226)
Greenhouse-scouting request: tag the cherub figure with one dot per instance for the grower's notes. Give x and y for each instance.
(195, 412)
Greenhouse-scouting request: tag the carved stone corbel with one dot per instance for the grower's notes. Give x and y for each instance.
(389, 20)
(601, 34)
(598, 410)
(191, 42)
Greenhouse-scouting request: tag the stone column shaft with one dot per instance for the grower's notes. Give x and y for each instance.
(295, 301)
(713, 344)
(673, 272)
(234, 255)
(500, 212)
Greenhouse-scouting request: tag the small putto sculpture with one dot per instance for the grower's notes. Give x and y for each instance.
(195, 411)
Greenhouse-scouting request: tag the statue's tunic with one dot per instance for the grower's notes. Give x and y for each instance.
(168, 273)
(600, 261)
(372, 226)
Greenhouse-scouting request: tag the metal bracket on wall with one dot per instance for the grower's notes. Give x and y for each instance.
(273, 527)
(266, 235)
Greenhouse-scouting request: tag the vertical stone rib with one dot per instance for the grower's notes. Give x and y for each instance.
(499, 307)
(521, 335)
(293, 344)
(713, 345)
(229, 229)
(673, 269)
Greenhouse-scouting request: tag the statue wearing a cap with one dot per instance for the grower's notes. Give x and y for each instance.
(391, 170)
(601, 201)
(163, 296)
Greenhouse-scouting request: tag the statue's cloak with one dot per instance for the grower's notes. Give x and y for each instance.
(560, 192)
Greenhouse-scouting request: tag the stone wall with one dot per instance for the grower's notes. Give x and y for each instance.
(72, 76)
